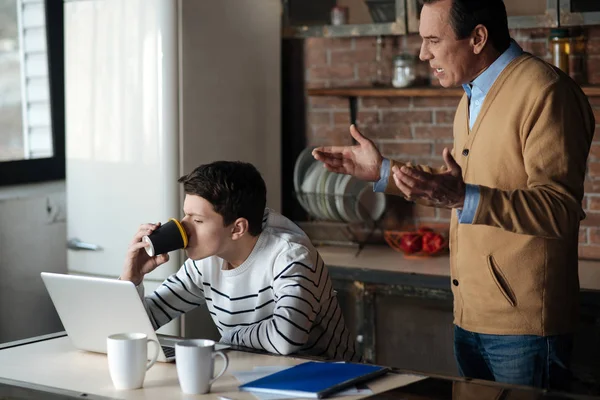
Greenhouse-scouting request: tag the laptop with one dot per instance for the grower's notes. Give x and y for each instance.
(91, 309)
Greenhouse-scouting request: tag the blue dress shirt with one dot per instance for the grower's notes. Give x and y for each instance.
(476, 91)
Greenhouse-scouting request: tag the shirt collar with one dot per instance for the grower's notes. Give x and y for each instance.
(487, 78)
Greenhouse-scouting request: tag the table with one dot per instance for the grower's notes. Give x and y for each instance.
(49, 367)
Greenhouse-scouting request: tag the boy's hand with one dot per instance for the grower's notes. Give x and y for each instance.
(137, 262)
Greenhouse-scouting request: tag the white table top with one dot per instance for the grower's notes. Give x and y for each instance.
(56, 363)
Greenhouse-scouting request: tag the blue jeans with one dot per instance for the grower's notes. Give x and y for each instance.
(539, 361)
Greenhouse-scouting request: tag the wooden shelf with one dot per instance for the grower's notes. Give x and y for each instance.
(408, 92)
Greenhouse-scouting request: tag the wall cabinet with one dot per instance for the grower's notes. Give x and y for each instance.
(302, 18)
(521, 14)
(579, 12)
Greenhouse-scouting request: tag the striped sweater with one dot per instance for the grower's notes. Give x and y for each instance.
(280, 299)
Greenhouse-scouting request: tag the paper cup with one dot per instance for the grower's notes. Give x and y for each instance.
(168, 237)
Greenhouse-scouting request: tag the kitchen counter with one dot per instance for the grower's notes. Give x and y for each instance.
(381, 264)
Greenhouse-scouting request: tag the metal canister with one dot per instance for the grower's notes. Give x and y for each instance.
(339, 15)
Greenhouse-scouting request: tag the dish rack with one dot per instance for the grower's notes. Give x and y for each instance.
(340, 219)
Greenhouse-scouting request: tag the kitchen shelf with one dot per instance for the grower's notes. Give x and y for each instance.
(349, 30)
(407, 92)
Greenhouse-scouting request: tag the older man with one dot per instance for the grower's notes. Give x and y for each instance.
(522, 134)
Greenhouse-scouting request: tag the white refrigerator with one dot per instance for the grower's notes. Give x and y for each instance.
(153, 89)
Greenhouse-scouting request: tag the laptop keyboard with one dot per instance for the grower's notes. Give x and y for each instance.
(169, 351)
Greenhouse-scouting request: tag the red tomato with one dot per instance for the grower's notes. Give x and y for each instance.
(411, 243)
(432, 242)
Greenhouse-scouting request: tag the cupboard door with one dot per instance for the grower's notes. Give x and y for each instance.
(415, 333)
(579, 12)
(521, 14)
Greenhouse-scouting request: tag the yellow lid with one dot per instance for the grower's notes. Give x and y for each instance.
(182, 231)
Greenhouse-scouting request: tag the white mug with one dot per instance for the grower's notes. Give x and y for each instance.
(195, 360)
(127, 355)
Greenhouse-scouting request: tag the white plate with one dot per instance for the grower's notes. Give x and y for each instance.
(303, 163)
(322, 195)
(308, 188)
(330, 196)
(370, 204)
(340, 200)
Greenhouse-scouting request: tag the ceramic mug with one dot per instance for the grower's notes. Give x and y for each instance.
(127, 356)
(195, 360)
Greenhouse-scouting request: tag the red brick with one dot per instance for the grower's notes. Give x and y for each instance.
(368, 72)
(594, 169)
(412, 44)
(333, 71)
(352, 56)
(312, 44)
(436, 101)
(328, 102)
(334, 136)
(593, 47)
(595, 149)
(593, 32)
(407, 148)
(344, 82)
(366, 42)
(439, 145)
(530, 33)
(537, 48)
(596, 111)
(593, 203)
(592, 186)
(594, 235)
(589, 252)
(444, 214)
(384, 102)
(394, 117)
(423, 211)
(363, 118)
(583, 235)
(592, 219)
(316, 57)
(319, 118)
(395, 131)
(593, 68)
(444, 116)
(433, 132)
(316, 84)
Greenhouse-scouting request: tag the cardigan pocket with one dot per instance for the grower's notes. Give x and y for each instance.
(501, 281)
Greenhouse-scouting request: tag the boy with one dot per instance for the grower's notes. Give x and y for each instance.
(265, 285)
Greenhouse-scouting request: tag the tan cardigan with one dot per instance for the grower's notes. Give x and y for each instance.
(514, 270)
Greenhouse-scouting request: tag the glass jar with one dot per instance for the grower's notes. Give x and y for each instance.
(405, 71)
(560, 48)
(339, 15)
(577, 56)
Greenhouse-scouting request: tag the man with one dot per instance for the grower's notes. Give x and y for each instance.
(264, 283)
(522, 134)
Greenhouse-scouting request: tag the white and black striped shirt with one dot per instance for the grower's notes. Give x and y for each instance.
(280, 299)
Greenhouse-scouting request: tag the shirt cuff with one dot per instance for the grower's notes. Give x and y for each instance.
(227, 336)
(384, 174)
(467, 214)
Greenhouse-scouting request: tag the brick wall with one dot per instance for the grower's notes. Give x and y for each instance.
(417, 129)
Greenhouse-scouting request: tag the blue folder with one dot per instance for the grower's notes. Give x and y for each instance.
(314, 379)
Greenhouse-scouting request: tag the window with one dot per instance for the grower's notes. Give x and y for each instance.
(31, 91)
